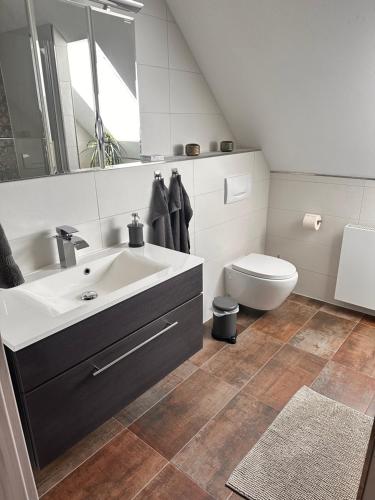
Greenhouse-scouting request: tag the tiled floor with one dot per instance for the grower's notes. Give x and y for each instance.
(183, 437)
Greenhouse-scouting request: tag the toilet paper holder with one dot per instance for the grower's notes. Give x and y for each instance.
(312, 221)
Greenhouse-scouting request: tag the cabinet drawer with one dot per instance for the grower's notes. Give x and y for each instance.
(52, 356)
(63, 410)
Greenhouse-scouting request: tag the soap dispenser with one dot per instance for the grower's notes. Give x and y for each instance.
(135, 232)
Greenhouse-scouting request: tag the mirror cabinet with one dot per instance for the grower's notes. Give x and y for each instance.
(68, 88)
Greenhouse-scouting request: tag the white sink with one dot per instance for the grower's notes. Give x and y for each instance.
(64, 291)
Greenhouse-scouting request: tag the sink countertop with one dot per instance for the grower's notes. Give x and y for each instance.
(22, 326)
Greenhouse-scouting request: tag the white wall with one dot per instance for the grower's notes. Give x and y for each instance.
(294, 77)
(100, 204)
(315, 253)
(176, 105)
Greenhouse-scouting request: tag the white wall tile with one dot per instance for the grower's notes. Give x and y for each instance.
(327, 199)
(125, 189)
(210, 173)
(231, 238)
(190, 94)
(315, 285)
(115, 231)
(259, 195)
(186, 169)
(36, 205)
(213, 284)
(211, 210)
(288, 224)
(206, 130)
(368, 205)
(261, 170)
(180, 56)
(151, 41)
(153, 84)
(312, 257)
(155, 133)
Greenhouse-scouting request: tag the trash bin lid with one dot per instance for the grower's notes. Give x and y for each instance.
(224, 303)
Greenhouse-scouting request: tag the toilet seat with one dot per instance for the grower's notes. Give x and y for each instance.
(265, 266)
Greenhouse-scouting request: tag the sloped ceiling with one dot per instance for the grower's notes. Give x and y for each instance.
(295, 77)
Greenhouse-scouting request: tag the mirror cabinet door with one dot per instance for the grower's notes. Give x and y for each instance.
(114, 39)
(23, 142)
(68, 88)
(64, 46)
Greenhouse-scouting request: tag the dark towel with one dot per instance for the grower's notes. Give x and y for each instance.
(10, 273)
(181, 214)
(159, 216)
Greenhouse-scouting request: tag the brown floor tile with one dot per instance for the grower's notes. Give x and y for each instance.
(306, 301)
(236, 364)
(170, 424)
(118, 471)
(210, 346)
(345, 385)
(247, 316)
(323, 334)
(358, 352)
(71, 459)
(368, 320)
(170, 483)
(283, 376)
(214, 452)
(148, 399)
(342, 312)
(285, 321)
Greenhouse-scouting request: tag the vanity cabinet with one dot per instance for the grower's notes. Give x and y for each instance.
(71, 382)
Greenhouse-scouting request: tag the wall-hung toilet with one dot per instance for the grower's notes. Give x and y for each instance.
(260, 281)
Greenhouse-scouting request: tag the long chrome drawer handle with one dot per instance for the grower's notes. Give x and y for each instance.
(101, 370)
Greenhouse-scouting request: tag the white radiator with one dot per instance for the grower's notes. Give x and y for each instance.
(356, 276)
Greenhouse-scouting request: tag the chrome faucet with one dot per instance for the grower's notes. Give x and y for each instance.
(67, 244)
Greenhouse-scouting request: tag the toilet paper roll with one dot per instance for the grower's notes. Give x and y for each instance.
(312, 221)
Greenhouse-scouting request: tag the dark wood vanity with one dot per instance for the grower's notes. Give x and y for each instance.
(74, 380)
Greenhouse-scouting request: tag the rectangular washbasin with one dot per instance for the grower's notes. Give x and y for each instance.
(67, 290)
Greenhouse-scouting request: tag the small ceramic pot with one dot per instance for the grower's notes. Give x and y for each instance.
(192, 149)
(226, 146)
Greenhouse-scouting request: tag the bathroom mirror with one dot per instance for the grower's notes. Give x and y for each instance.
(23, 140)
(80, 88)
(63, 40)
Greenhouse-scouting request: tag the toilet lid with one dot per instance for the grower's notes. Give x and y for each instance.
(264, 266)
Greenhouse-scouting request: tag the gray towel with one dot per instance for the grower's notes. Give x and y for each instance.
(10, 273)
(181, 214)
(159, 216)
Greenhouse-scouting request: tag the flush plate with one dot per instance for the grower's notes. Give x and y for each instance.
(237, 188)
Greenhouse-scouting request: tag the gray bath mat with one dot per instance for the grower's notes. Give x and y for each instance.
(314, 450)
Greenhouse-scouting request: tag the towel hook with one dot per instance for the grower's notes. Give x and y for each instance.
(157, 175)
(174, 171)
